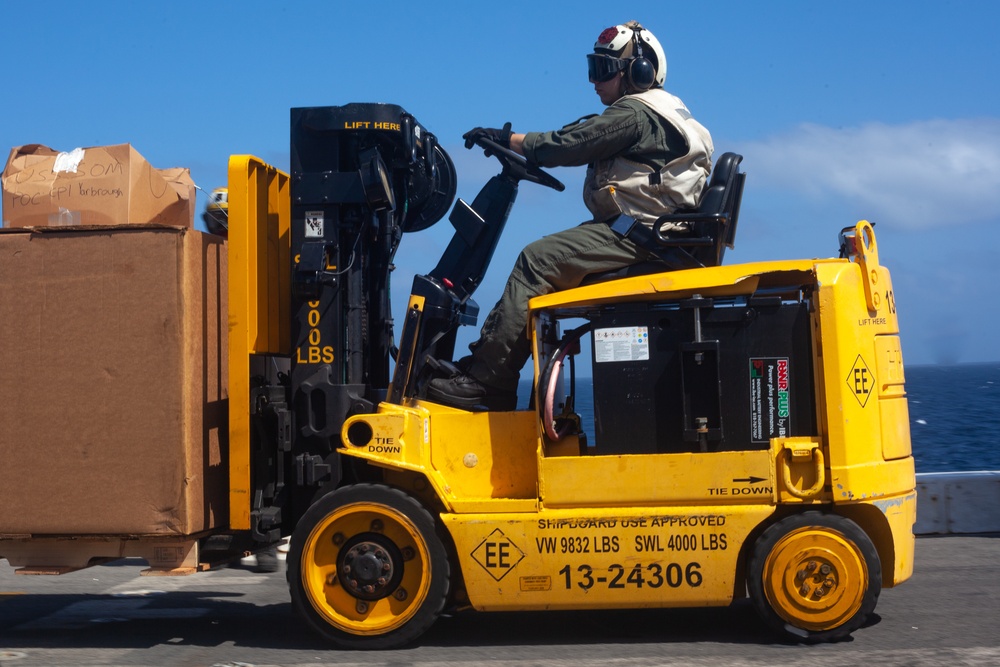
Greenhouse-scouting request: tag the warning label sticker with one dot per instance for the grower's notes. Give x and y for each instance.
(536, 584)
(621, 344)
(314, 224)
(770, 413)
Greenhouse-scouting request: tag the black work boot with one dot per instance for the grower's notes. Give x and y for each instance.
(464, 391)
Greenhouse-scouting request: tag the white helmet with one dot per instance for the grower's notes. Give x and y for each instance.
(632, 49)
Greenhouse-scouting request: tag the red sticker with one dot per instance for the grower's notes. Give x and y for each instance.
(608, 35)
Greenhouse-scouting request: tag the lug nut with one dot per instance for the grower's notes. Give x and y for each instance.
(362, 607)
(825, 569)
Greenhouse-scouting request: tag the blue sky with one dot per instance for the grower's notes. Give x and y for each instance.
(843, 110)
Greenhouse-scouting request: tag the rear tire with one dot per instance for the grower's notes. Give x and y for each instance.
(814, 577)
(367, 569)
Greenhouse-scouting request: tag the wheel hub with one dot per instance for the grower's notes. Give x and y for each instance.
(815, 579)
(370, 566)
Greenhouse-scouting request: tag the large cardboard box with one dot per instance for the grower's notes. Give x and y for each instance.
(112, 381)
(102, 185)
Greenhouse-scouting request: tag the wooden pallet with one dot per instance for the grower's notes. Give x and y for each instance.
(166, 556)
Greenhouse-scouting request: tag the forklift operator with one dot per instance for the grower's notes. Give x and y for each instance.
(646, 157)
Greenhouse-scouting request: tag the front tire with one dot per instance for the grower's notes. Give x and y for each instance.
(814, 577)
(366, 567)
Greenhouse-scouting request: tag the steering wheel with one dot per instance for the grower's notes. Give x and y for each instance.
(517, 167)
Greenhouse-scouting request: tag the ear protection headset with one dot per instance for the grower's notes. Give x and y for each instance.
(640, 74)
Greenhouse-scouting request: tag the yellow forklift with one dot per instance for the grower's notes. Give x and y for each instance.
(749, 437)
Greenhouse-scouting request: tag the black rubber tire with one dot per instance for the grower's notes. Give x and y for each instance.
(332, 616)
(796, 538)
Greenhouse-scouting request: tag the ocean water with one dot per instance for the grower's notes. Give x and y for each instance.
(954, 415)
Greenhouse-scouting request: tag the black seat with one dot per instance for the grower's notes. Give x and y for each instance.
(713, 223)
(713, 226)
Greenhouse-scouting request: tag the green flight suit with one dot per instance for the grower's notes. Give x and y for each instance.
(629, 129)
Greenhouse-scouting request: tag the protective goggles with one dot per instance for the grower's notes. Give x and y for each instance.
(602, 68)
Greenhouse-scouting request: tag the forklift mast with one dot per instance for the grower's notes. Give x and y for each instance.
(361, 176)
(311, 333)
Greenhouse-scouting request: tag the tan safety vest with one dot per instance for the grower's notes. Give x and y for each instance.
(620, 185)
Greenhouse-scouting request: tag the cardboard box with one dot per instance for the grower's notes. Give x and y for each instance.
(103, 185)
(112, 381)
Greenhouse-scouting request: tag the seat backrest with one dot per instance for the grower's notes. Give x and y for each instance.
(736, 198)
(727, 173)
(713, 199)
(714, 221)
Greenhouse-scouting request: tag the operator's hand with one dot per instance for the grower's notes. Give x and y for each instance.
(499, 136)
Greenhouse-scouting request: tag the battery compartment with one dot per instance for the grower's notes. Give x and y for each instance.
(701, 374)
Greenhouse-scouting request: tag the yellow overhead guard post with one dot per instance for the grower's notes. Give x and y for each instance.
(259, 302)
